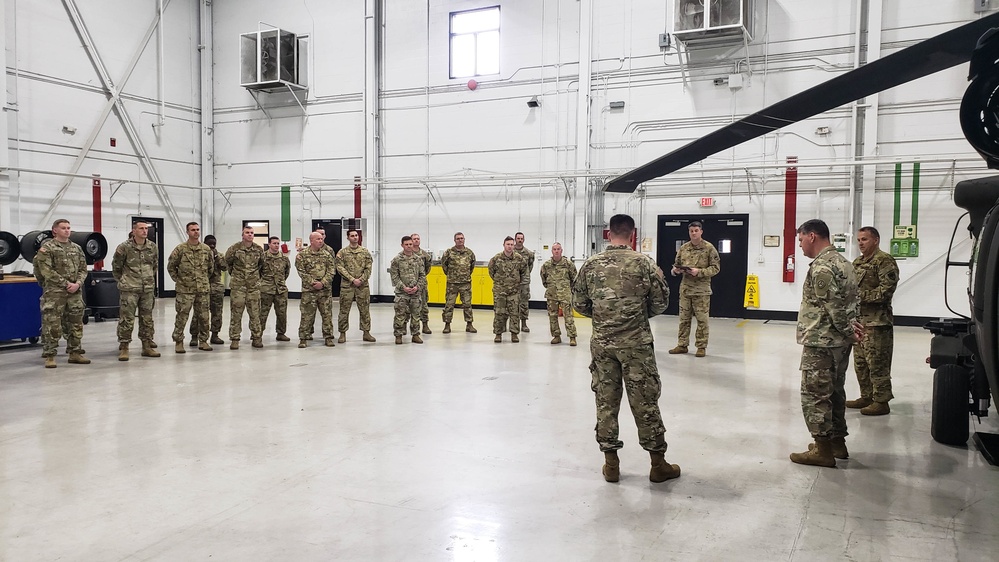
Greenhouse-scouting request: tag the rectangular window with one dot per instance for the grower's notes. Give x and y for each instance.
(475, 37)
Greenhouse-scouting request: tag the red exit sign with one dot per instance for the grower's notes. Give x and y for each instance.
(707, 201)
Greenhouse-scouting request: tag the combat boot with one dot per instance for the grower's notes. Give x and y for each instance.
(861, 402)
(342, 338)
(498, 338)
(234, 344)
(838, 445)
(257, 343)
(216, 340)
(398, 340)
(678, 349)
(123, 352)
(700, 352)
(876, 409)
(78, 359)
(282, 337)
(203, 346)
(368, 337)
(148, 349)
(329, 342)
(523, 327)
(661, 470)
(417, 338)
(470, 328)
(556, 340)
(426, 328)
(612, 466)
(514, 338)
(572, 342)
(819, 455)
(193, 342)
(50, 363)
(179, 347)
(302, 344)
(447, 328)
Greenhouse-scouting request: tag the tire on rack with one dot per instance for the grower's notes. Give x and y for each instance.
(94, 245)
(951, 391)
(10, 248)
(32, 242)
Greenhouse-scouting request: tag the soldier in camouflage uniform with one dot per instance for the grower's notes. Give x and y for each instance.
(245, 261)
(827, 328)
(408, 279)
(877, 278)
(507, 269)
(698, 261)
(428, 261)
(620, 289)
(458, 263)
(190, 266)
(525, 282)
(317, 267)
(134, 267)
(216, 297)
(274, 288)
(61, 268)
(558, 275)
(354, 265)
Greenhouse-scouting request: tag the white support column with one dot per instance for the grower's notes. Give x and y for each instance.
(373, 25)
(581, 192)
(875, 9)
(7, 113)
(207, 118)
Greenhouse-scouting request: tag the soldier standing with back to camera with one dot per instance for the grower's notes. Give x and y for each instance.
(877, 279)
(620, 289)
(134, 267)
(61, 268)
(245, 261)
(408, 280)
(428, 261)
(698, 261)
(274, 288)
(316, 267)
(458, 263)
(525, 281)
(558, 275)
(507, 269)
(190, 266)
(354, 264)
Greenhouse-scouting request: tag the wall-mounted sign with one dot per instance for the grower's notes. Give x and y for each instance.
(707, 201)
(770, 241)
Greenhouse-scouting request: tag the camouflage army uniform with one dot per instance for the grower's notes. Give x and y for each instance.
(354, 264)
(56, 265)
(877, 279)
(316, 265)
(558, 277)
(458, 266)
(216, 296)
(274, 290)
(407, 271)
(428, 261)
(190, 267)
(507, 273)
(525, 282)
(621, 289)
(829, 305)
(245, 265)
(134, 267)
(695, 292)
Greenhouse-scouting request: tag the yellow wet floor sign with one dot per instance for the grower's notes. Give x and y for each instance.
(752, 299)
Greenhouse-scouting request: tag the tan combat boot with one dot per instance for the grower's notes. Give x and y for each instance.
(417, 338)
(282, 337)
(426, 328)
(328, 342)
(179, 347)
(678, 349)
(256, 342)
(498, 338)
(203, 346)
(876, 409)
(556, 340)
(700, 352)
(78, 359)
(523, 327)
(50, 363)
(398, 340)
(122, 352)
(447, 328)
(342, 338)
(661, 470)
(612, 466)
(216, 340)
(514, 338)
(470, 328)
(819, 455)
(302, 344)
(368, 337)
(838, 447)
(149, 349)
(861, 402)
(234, 344)
(572, 342)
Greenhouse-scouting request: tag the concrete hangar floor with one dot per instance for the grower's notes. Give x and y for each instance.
(463, 449)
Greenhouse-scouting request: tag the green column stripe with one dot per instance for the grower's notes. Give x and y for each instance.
(285, 212)
(898, 193)
(915, 194)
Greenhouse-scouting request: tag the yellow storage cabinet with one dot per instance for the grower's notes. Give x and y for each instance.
(482, 286)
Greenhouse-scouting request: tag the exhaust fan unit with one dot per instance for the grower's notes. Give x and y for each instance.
(712, 20)
(273, 60)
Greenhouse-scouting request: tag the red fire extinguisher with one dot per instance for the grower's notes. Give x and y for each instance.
(789, 269)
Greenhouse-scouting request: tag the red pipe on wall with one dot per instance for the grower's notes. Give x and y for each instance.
(98, 265)
(790, 218)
